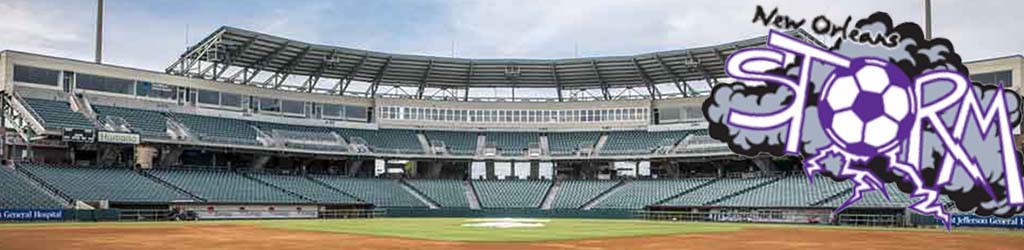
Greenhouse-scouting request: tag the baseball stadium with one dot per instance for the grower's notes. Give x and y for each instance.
(251, 140)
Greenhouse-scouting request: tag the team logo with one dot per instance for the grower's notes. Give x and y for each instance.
(900, 113)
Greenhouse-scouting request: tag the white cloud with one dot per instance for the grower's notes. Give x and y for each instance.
(45, 28)
(142, 34)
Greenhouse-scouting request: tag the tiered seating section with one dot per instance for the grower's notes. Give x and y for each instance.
(640, 142)
(154, 124)
(564, 144)
(111, 184)
(640, 193)
(58, 114)
(225, 187)
(716, 190)
(302, 186)
(792, 191)
(29, 186)
(457, 143)
(392, 141)
(146, 123)
(220, 130)
(381, 192)
(511, 193)
(874, 199)
(17, 192)
(446, 193)
(512, 143)
(576, 193)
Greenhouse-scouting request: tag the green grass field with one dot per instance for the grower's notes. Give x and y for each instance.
(451, 228)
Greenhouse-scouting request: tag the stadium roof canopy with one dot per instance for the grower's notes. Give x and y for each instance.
(251, 58)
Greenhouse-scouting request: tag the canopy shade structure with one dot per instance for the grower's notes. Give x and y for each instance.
(239, 56)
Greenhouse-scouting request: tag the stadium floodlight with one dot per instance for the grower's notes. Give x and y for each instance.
(99, 31)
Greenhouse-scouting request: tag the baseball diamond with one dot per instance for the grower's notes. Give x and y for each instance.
(258, 137)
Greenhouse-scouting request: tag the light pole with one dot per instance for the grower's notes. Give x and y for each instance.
(99, 31)
(928, 19)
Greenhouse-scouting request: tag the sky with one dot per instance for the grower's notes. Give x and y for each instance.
(150, 34)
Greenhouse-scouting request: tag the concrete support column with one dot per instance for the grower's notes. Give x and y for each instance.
(535, 170)
(144, 155)
(435, 169)
(353, 166)
(260, 162)
(763, 164)
(490, 171)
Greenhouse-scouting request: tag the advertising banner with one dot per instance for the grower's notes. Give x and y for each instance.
(31, 214)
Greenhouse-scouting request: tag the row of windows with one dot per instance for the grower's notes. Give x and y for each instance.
(207, 98)
(681, 114)
(219, 98)
(36, 75)
(156, 90)
(105, 84)
(517, 116)
(993, 78)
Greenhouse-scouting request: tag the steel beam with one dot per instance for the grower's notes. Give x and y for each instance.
(231, 56)
(315, 78)
(288, 68)
(469, 75)
(423, 80)
(558, 83)
(700, 66)
(655, 94)
(262, 63)
(604, 85)
(345, 81)
(377, 79)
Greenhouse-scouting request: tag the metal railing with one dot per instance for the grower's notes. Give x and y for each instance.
(786, 216)
(352, 213)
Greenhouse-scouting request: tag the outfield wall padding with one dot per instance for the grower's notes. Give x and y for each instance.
(513, 213)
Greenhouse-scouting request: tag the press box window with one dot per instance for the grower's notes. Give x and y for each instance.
(209, 97)
(231, 100)
(270, 105)
(293, 107)
(993, 78)
(35, 75)
(104, 84)
(156, 90)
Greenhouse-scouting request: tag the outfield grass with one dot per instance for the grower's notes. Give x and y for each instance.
(451, 229)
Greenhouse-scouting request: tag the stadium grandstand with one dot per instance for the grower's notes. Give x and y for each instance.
(251, 125)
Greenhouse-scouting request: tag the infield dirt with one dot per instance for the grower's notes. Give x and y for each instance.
(207, 236)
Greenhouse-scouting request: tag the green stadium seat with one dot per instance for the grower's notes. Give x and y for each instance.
(576, 193)
(380, 192)
(225, 186)
(220, 130)
(568, 143)
(511, 193)
(512, 143)
(447, 193)
(95, 184)
(58, 114)
(401, 141)
(458, 143)
(18, 192)
(145, 122)
(717, 190)
(791, 191)
(306, 188)
(640, 142)
(640, 193)
(873, 199)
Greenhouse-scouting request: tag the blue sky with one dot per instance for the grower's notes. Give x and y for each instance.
(151, 33)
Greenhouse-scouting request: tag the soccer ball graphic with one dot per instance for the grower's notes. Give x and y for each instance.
(868, 108)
